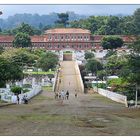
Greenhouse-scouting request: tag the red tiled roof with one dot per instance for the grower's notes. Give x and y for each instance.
(66, 30)
(38, 38)
(128, 38)
(43, 38)
(6, 38)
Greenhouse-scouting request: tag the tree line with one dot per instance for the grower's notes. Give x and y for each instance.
(98, 25)
(35, 20)
(14, 61)
(111, 25)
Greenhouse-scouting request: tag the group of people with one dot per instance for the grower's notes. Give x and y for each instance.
(62, 95)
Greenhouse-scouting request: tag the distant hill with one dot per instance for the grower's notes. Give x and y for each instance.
(35, 19)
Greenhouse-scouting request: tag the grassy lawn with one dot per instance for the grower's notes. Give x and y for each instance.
(48, 88)
(40, 72)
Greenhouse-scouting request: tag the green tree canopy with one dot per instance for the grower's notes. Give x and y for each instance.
(63, 19)
(24, 28)
(48, 61)
(115, 64)
(137, 21)
(22, 40)
(89, 55)
(111, 42)
(21, 56)
(9, 71)
(133, 66)
(93, 66)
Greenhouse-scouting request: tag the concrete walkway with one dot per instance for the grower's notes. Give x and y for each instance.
(69, 78)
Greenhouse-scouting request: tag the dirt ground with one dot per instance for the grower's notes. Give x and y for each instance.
(88, 114)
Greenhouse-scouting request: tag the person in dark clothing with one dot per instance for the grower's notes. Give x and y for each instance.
(56, 95)
(59, 95)
(75, 95)
(67, 95)
(18, 99)
(25, 99)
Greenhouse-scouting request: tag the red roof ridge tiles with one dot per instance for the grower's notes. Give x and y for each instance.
(66, 30)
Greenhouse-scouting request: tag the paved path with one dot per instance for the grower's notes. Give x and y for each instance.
(89, 114)
(69, 78)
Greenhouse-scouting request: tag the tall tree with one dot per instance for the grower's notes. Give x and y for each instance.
(134, 63)
(137, 20)
(63, 19)
(93, 66)
(22, 40)
(48, 61)
(24, 28)
(9, 71)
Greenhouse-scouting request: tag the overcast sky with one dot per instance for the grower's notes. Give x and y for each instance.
(9, 10)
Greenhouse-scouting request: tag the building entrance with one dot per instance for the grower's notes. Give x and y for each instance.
(67, 56)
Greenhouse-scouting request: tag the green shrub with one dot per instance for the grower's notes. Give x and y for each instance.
(16, 89)
(130, 96)
(102, 85)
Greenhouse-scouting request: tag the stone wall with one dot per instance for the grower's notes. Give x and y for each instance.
(112, 95)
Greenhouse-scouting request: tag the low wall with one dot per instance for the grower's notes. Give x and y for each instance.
(79, 77)
(13, 99)
(56, 80)
(112, 95)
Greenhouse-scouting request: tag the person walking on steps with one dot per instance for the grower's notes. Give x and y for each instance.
(56, 95)
(67, 95)
(25, 99)
(18, 99)
(75, 94)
